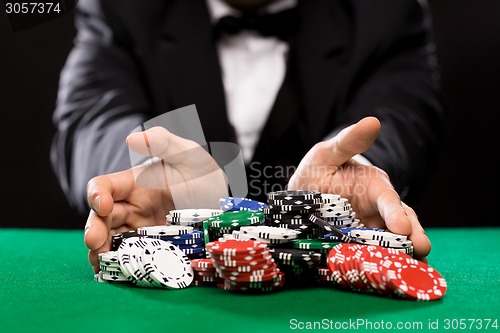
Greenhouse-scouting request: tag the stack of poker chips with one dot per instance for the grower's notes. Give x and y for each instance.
(205, 273)
(245, 266)
(110, 269)
(338, 211)
(227, 222)
(383, 271)
(290, 209)
(298, 265)
(383, 238)
(191, 217)
(149, 262)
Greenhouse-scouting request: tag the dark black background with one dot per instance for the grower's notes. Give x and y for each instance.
(467, 34)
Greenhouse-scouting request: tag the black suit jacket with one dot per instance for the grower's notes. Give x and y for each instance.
(134, 60)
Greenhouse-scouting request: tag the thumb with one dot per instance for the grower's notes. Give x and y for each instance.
(352, 140)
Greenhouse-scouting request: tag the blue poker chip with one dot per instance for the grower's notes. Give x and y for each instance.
(193, 250)
(235, 204)
(346, 231)
(196, 235)
(186, 242)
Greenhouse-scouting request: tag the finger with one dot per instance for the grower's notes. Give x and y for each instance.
(159, 142)
(103, 191)
(96, 231)
(386, 200)
(94, 255)
(351, 141)
(421, 243)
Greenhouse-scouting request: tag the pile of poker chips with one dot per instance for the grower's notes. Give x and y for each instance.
(383, 271)
(303, 260)
(245, 266)
(191, 217)
(291, 209)
(147, 262)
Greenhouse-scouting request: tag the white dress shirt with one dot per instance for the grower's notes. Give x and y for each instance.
(253, 70)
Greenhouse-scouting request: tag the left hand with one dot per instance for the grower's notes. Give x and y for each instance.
(329, 168)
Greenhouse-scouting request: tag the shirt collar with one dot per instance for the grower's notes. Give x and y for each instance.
(219, 9)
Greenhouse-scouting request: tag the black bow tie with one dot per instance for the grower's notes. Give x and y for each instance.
(281, 24)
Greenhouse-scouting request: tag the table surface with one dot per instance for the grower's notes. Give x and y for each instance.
(46, 285)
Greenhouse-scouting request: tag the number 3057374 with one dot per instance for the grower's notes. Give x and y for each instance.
(32, 7)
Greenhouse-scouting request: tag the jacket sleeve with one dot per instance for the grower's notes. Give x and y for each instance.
(100, 101)
(401, 87)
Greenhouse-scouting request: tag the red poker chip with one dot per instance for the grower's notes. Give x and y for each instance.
(324, 271)
(334, 257)
(368, 269)
(378, 256)
(257, 272)
(234, 247)
(414, 279)
(247, 269)
(202, 264)
(247, 257)
(278, 277)
(343, 265)
(254, 278)
(212, 279)
(259, 287)
(236, 263)
(213, 273)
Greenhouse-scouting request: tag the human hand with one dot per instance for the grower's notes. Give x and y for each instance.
(329, 168)
(184, 176)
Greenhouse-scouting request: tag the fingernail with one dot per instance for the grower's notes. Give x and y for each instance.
(97, 204)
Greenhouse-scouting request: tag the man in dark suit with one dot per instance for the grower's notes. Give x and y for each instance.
(341, 61)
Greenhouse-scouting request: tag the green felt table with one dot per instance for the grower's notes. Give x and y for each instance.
(46, 285)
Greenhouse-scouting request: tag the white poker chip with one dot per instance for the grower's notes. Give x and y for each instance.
(113, 276)
(109, 256)
(377, 235)
(143, 280)
(267, 232)
(170, 218)
(195, 213)
(384, 243)
(110, 268)
(165, 230)
(338, 203)
(333, 212)
(125, 257)
(335, 209)
(167, 265)
(329, 198)
(347, 218)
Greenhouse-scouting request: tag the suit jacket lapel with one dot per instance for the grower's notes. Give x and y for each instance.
(188, 58)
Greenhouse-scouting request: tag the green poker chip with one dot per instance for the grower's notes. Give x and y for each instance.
(313, 244)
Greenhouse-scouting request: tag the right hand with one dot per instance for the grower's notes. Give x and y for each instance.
(185, 177)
